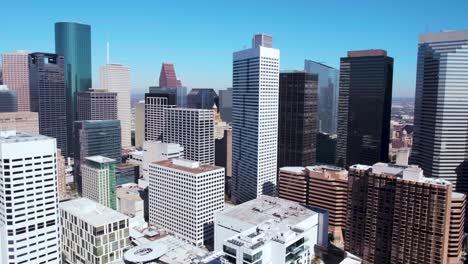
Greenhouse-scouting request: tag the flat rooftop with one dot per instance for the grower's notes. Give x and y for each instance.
(195, 170)
(100, 159)
(12, 136)
(367, 53)
(449, 35)
(91, 212)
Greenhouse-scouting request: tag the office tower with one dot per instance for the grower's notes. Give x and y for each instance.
(116, 78)
(29, 203)
(223, 148)
(154, 114)
(184, 195)
(157, 151)
(73, 42)
(364, 108)
(95, 138)
(61, 176)
(202, 98)
(396, 215)
(225, 104)
(326, 147)
(16, 77)
(441, 109)
(98, 180)
(97, 104)
(297, 119)
(27, 122)
(319, 186)
(193, 129)
(126, 173)
(167, 77)
(270, 230)
(255, 122)
(262, 40)
(176, 95)
(92, 233)
(1, 74)
(8, 100)
(48, 96)
(139, 123)
(328, 94)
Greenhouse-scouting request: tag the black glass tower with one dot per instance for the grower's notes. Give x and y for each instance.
(8, 100)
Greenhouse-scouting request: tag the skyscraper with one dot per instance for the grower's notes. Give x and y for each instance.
(262, 40)
(20, 121)
(441, 107)
(48, 96)
(225, 105)
(139, 124)
(16, 76)
(97, 104)
(73, 41)
(93, 138)
(255, 122)
(328, 94)
(364, 107)
(154, 115)
(116, 78)
(29, 203)
(202, 98)
(297, 115)
(8, 100)
(167, 77)
(193, 129)
(98, 180)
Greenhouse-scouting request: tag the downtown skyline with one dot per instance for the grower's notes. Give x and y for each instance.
(200, 44)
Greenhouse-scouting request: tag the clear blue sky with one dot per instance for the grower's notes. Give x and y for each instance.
(200, 36)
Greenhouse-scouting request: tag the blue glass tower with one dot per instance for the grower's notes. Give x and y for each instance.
(73, 41)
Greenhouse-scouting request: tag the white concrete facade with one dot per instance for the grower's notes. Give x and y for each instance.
(96, 181)
(157, 151)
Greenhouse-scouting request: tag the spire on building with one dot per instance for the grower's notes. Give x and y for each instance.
(168, 77)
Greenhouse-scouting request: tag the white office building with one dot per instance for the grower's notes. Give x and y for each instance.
(29, 214)
(92, 233)
(98, 180)
(116, 78)
(183, 198)
(157, 151)
(255, 120)
(154, 116)
(194, 130)
(270, 230)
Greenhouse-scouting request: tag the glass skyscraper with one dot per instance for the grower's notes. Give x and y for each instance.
(73, 41)
(8, 100)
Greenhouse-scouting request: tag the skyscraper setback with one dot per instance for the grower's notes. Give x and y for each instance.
(16, 77)
(255, 122)
(167, 77)
(366, 78)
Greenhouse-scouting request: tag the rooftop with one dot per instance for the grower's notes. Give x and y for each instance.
(450, 35)
(100, 159)
(187, 166)
(13, 136)
(367, 53)
(91, 212)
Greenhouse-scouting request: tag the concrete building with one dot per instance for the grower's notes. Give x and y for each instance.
(154, 115)
(255, 120)
(16, 76)
(154, 151)
(225, 105)
(116, 78)
(92, 233)
(30, 234)
(396, 215)
(193, 129)
(139, 124)
(97, 104)
(8, 100)
(98, 180)
(129, 200)
(270, 230)
(183, 198)
(27, 122)
(61, 176)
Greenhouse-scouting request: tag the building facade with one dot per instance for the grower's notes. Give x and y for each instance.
(61, 176)
(364, 108)
(167, 77)
(30, 234)
(15, 73)
(97, 104)
(98, 180)
(297, 119)
(225, 105)
(202, 98)
(48, 96)
(326, 148)
(328, 94)
(154, 115)
(183, 198)
(8, 100)
(139, 124)
(193, 129)
(27, 122)
(255, 97)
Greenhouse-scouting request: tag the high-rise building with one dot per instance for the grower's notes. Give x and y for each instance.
(396, 215)
(297, 119)
(92, 233)
(61, 176)
(326, 148)
(16, 77)
(1, 74)
(167, 77)
(364, 108)
(193, 129)
(262, 40)
(98, 180)
(223, 148)
(184, 195)
(73, 42)
(48, 96)
(225, 105)
(29, 203)
(95, 138)
(176, 95)
(116, 78)
(154, 115)
(202, 98)
(97, 104)
(441, 107)
(139, 124)
(154, 151)
(328, 94)
(126, 173)
(255, 96)
(27, 122)
(8, 100)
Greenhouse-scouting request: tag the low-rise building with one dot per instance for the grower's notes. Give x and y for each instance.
(129, 200)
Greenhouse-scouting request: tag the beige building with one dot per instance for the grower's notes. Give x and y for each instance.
(139, 124)
(16, 76)
(27, 122)
(61, 176)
